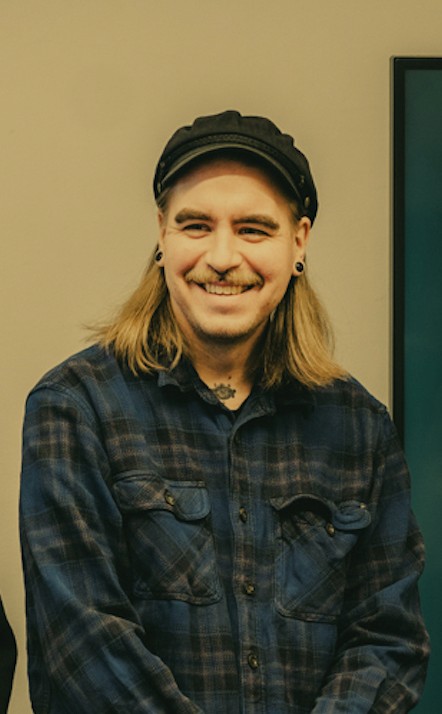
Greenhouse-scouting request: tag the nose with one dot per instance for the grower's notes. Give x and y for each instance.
(223, 252)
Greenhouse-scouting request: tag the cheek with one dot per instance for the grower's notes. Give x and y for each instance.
(279, 276)
(179, 259)
(273, 259)
(277, 268)
(175, 265)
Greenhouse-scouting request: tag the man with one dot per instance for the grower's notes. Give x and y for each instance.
(215, 516)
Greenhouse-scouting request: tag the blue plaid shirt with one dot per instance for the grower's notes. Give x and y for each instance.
(182, 559)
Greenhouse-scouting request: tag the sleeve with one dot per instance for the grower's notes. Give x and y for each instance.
(86, 643)
(383, 646)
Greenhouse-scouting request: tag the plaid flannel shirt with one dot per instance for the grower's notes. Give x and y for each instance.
(180, 559)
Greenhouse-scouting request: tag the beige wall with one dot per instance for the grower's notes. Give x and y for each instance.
(91, 89)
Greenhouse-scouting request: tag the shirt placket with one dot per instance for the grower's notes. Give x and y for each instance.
(244, 517)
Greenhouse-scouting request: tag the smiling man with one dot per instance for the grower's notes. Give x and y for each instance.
(215, 516)
(229, 244)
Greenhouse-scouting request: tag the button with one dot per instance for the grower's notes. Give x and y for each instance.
(249, 589)
(169, 498)
(243, 514)
(363, 505)
(253, 660)
(330, 529)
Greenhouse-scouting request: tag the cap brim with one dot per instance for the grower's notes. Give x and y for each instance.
(196, 153)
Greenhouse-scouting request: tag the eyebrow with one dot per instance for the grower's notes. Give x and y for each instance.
(188, 214)
(260, 219)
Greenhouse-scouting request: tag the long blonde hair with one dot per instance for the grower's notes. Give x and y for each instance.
(298, 342)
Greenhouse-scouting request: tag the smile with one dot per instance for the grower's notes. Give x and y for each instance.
(215, 289)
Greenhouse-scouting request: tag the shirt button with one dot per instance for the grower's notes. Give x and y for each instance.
(249, 589)
(253, 660)
(169, 498)
(243, 514)
(330, 529)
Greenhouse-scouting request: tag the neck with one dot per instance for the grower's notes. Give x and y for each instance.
(226, 369)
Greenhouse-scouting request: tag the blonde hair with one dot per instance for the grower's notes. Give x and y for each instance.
(298, 342)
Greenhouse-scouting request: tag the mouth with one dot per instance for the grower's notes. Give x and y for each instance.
(217, 289)
(234, 282)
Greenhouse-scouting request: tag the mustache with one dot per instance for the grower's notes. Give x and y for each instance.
(230, 277)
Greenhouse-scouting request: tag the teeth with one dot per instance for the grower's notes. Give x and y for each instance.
(224, 289)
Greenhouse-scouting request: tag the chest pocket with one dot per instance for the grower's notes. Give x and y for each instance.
(170, 540)
(313, 541)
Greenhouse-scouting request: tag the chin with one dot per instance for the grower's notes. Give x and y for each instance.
(224, 336)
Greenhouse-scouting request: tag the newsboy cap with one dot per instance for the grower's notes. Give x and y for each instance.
(256, 135)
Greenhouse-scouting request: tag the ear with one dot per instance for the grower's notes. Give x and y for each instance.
(159, 252)
(162, 228)
(301, 237)
(161, 218)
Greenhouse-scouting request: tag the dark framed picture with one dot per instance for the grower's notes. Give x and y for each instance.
(417, 314)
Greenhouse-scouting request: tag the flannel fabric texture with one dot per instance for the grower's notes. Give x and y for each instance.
(181, 559)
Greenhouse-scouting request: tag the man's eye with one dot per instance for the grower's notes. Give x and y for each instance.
(252, 230)
(196, 227)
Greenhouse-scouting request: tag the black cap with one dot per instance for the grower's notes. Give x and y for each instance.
(231, 130)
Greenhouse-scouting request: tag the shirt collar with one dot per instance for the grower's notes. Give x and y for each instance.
(185, 378)
(182, 376)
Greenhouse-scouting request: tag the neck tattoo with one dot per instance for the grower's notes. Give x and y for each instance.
(223, 391)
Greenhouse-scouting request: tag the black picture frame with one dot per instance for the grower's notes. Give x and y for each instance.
(417, 317)
(401, 67)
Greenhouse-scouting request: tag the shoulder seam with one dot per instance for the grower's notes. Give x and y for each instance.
(53, 387)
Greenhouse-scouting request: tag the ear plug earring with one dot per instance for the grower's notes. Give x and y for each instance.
(299, 266)
(158, 256)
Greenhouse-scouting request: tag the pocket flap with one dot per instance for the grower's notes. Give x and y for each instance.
(351, 516)
(303, 502)
(187, 500)
(345, 516)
